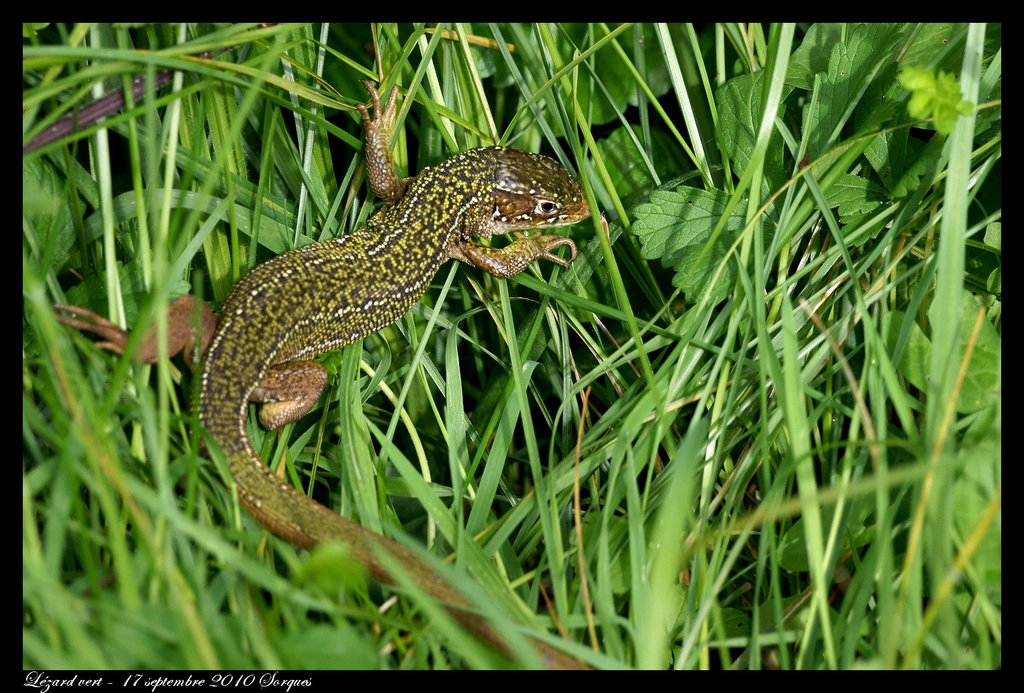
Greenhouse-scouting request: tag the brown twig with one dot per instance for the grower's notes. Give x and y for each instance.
(79, 118)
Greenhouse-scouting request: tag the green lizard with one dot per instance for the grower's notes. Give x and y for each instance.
(323, 296)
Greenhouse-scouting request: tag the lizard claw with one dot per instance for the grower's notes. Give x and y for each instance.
(380, 165)
(545, 244)
(552, 242)
(382, 120)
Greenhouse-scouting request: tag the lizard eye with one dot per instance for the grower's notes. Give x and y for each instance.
(546, 207)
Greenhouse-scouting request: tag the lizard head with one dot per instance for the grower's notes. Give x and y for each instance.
(532, 191)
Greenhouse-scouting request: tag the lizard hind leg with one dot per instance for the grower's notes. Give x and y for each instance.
(288, 391)
(181, 332)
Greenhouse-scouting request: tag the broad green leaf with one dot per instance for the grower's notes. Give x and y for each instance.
(812, 56)
(857, 531)
(739, 114)
(981, 380)
(854, 196)
(851, 67)
(675, 226)
(47, 210)
(326, 646)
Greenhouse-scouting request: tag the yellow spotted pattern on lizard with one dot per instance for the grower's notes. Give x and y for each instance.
(289, 310)
(323, 296)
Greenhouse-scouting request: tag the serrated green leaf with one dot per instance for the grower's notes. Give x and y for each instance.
(675, 226)
(739, 108)
(980, 387)
(880, 108)
(921, 165)
(854, 195)
(857, 531)
(811, 57)
(851, 65)
(929, 41)
(977, 487)
(47, 208)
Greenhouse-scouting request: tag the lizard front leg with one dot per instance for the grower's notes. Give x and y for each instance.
(515, 257)
(380, 164)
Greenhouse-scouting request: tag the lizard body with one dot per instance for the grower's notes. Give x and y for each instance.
(324, 296)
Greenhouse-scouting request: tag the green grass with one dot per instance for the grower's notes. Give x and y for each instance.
(756, 424)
